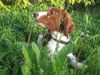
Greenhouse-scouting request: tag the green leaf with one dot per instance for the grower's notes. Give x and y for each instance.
(3, 71)
(37, 51)
(25, 70)
(2, 54)
(76, 40)
(73, 1)
(27, 57)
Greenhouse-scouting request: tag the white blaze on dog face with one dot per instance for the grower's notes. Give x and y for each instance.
(41, 14)
(40, 18)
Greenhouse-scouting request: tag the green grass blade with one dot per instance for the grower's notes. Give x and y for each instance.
(37, 51)
(26, 68)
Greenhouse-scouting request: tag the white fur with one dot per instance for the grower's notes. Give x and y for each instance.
(54, 46)
(71, 56)
(60, 36)
(41, 14)
(74, 62)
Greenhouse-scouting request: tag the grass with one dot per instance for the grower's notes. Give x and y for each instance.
(19, 54)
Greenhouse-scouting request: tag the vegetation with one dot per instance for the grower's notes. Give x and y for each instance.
(19, 53)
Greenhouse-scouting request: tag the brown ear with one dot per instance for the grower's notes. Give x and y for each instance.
(68, 24)
(56, 16)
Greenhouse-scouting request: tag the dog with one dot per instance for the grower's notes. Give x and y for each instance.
(60, 25)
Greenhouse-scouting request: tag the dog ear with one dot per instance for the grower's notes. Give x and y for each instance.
(56, 16)
(68, 24)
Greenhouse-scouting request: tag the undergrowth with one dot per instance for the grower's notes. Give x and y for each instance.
(19, 54)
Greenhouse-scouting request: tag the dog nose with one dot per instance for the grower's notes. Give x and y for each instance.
(36, 14)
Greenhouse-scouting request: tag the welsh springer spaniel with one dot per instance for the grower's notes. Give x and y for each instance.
(60, 25)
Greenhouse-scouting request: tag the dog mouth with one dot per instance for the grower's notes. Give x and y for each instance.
(41, 24)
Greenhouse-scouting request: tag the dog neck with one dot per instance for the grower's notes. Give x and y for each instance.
(60, 37)
(57, 42)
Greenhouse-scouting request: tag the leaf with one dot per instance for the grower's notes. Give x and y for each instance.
(37, 51)
(25, 70)
(27, 57)
(69, 1)
(73, 1)
(76, 40)
(2, 54)
(3, 71)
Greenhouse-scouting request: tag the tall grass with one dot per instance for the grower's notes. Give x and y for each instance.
(19, 54)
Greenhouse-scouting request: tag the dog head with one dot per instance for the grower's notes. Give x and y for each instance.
(55, 19)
